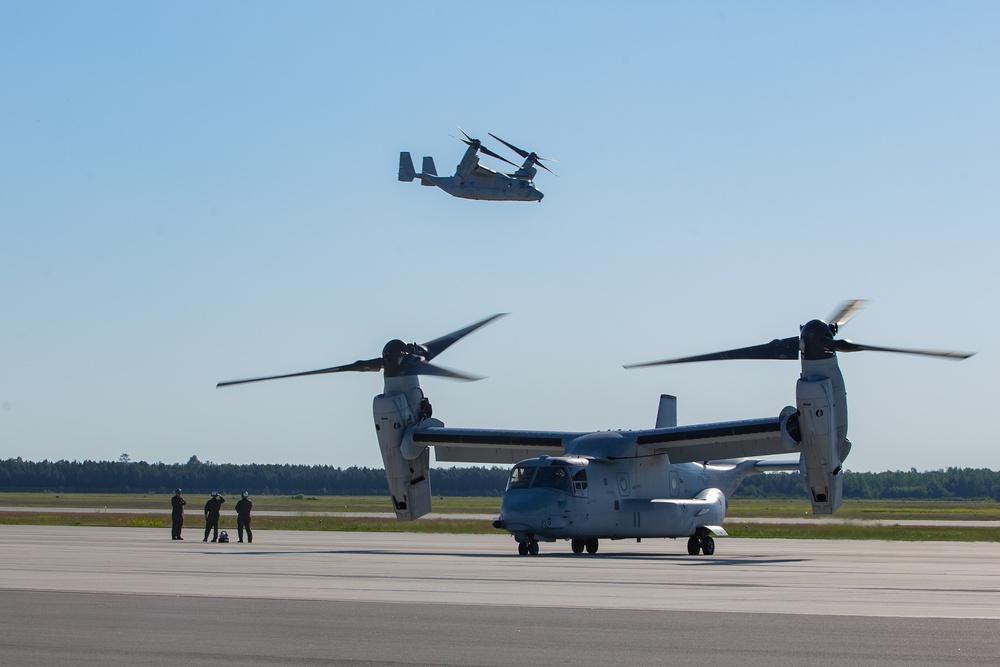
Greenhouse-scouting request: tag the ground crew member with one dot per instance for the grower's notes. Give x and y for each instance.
(177, 515)
(243, 508)
(212, 508)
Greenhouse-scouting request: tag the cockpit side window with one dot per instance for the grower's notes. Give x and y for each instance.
(520, 477)
(580, 482)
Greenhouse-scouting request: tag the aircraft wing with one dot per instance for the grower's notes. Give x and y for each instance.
(682, 444)
(714, 442)
(475, 445)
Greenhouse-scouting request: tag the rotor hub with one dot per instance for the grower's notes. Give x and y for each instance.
(394, 355)
(817, 340)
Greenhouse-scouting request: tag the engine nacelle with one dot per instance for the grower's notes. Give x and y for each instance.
(409, 481)
(819, 406)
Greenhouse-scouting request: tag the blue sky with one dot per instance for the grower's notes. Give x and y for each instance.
(195, 192)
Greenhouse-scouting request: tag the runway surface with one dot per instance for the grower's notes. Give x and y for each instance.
(130, 596)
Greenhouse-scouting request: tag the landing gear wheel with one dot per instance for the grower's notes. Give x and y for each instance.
(577, 546)
(591, 545)
(707, 545)
(694, 545)
(533, 548)
(522, 548)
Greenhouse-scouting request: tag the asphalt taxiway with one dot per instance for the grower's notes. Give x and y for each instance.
(132, 596)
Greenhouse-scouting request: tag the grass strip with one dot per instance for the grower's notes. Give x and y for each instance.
(813, 531)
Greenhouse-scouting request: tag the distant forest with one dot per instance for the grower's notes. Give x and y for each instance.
(197, 477)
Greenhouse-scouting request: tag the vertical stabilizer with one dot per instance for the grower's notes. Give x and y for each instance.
(406, 173)
(666, 416)
(428, 168)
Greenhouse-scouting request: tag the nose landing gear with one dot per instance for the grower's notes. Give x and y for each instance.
(528, 547)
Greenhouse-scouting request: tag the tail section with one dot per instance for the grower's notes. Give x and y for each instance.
(406, 172)
(429, 169)
(666, 416)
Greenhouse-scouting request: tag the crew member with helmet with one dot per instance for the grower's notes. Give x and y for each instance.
(212, 508)
(177, 504)
(243, 508)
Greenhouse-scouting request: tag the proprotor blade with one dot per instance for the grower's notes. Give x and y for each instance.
(848, 346)
(418, 367)
(846, 312)
(785, 348)
(534, 157)
(519, 151)
(439, 345)
(487, 151)
(364, 366)
(544, 167)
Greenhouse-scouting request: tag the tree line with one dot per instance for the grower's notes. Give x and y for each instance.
(197, 477)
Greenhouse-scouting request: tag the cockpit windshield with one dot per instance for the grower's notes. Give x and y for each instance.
(551, 478)
(557, 474)
(520, 477)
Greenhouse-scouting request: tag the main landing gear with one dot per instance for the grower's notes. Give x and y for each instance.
(529, 547)
(702, 542)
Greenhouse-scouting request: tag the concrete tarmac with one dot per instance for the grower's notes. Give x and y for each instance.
(131, 596)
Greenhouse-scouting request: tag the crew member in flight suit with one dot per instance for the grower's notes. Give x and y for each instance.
(177, 515)
(212, 508)
(243, 508)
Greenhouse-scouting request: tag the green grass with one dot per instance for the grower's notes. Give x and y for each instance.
(886, 510)
(40, 518)
(296, 503)
(196, 523)
(804, 529)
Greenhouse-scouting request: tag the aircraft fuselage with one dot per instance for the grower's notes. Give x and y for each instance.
(489, 187)
(577, 498)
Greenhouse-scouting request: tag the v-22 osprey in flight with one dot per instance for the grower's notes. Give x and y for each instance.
(474, 181)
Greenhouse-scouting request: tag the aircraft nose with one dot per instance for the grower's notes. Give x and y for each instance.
(526, 510)
(519, 504)
(520, 510)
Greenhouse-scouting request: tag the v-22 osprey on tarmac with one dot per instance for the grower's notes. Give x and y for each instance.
(474, 181)
(667, 481)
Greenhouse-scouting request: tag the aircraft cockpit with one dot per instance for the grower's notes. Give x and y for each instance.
(568, 475)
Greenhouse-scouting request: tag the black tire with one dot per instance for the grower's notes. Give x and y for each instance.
(591, 545)
(694, 545)
(577, 546)
(707, 545)
(522, 548)
(533, 548)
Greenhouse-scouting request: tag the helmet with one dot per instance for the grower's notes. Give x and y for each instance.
(215, 493)
(177, 490)
(246, 493)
